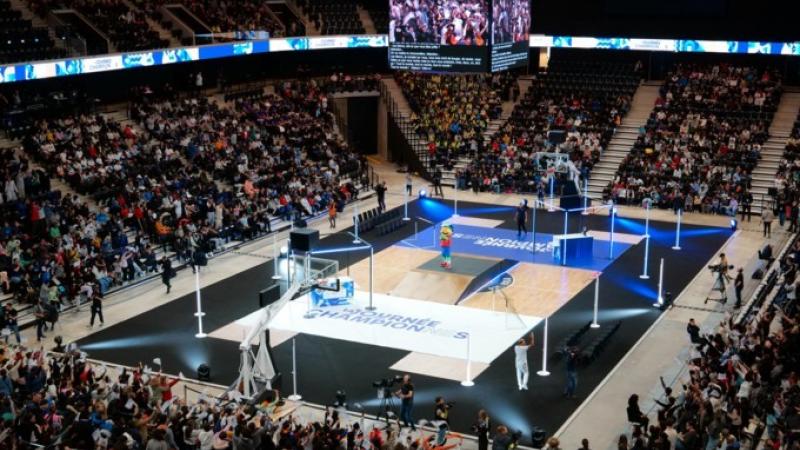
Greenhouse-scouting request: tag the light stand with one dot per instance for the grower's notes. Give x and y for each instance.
(199, 314)
(544, 372)
(677, 245)
(468, 379)
(295, 396)
(660, 302)
(611, 233)
(405, 206)
(644, 275)
(596, 300)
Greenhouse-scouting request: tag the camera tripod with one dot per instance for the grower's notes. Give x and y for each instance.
(719, 285)
(387, 405)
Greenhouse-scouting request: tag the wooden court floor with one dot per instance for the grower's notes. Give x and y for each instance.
(537, 290)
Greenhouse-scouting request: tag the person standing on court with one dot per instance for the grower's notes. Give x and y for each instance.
(408, 183)
(572, 373)
(521, 216)
(380, 190)
(521, 361)
(406, 394)
(766, 218)
(738, 284)
(166, 272)
(97, 309)
(437, 183)
(332, 214)
(482, 427)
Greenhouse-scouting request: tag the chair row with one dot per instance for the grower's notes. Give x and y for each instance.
(371, 219)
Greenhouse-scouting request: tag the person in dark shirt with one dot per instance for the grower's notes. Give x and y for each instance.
(380, 190)
(694, 333)
(406, 394)
(572, 372)
(97, 309)
(738, 285)
(502, 439)
(635, 415)
(521, 216)
(10, 323)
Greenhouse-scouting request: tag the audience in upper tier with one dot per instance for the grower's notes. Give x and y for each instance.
(742, 379)
(127, 28)
(451, 112)
(702, 140)
(584, 100)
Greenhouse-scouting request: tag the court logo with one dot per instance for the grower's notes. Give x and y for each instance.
(503, 281)
(514, 244)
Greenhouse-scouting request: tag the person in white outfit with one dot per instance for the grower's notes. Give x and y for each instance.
(521, 361)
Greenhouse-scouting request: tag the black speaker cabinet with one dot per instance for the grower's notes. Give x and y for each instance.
(304, 239)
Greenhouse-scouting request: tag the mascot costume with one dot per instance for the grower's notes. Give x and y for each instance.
(445, 241)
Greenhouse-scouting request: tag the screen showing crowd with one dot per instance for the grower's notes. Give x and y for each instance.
(439, 35)
(511, 23)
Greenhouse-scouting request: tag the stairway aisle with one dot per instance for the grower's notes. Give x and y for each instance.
(624, 137)
(772, 151)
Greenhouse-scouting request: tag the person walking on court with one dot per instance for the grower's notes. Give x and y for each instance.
(97, 309)
(521, 216)
(380, 190)
(521, 361)
(766, 218)
(166, 273)
(332, 214)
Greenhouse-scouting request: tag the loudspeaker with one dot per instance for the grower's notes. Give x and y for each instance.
(538, 437)
(269, 295)
(203, 372)
(300, 223)
(304, 239)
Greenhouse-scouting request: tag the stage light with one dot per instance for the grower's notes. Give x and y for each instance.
(284, 251)
(734, 224)
(203, 372)
(423, 193)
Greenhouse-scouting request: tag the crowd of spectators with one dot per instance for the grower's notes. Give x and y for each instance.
(450, 113)
(742, 380)
(185, 177)
(703, 139)
(786, 190)
(239, 15)
(584, 101)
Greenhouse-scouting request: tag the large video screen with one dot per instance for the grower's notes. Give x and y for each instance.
(439, 35)
(511, 22)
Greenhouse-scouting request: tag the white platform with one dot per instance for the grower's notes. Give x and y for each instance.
(406, 324)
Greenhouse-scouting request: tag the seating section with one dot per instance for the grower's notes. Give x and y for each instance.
(241, 15)
(585, 100)
(702, 140)
(127, 28)
(188, 175)
(340, 17)
(21, 41)
(451, 112)
(787, 179)
(384, 222)
(379, 13)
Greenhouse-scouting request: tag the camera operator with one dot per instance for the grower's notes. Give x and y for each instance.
(406, 395)
(442, 410)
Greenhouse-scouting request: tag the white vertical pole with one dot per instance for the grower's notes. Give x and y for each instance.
(468, 379)
(544, 372)
(371, 307)
(405, 204)
(564, 241)
(677, 245)
(357, 224)
(611, 237)
(275, 257)
(596, 300)
(199, 314)
(585, 197)
(455, 202)
(552, 208)
(295, 396)
(533, 226)
(644, 275)
(660, 284)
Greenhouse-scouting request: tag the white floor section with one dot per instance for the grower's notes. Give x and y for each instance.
(406, 324)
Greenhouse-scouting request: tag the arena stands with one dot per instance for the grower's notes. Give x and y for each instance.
(451, 112)
(703, 139)
(379, 13)
(786, 191)
(586, 100)
(21, 41)
(333, 17)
